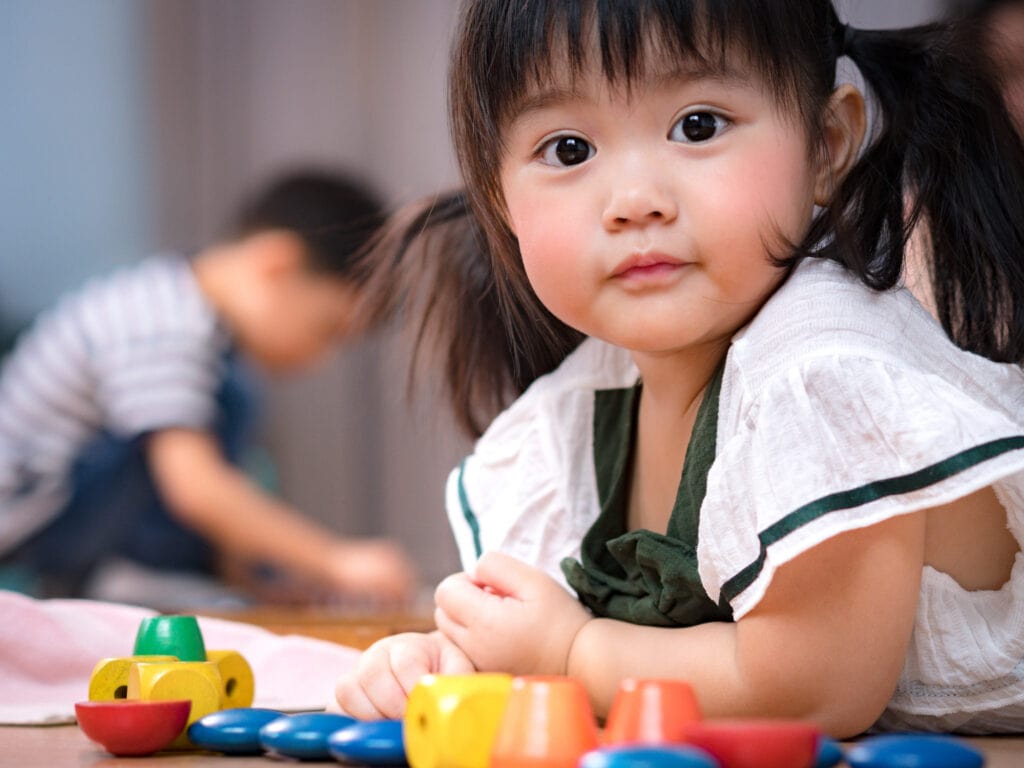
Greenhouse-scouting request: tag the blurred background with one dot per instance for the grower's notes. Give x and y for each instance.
(134, 126)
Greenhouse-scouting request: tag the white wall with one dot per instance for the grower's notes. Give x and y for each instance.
(74, 160)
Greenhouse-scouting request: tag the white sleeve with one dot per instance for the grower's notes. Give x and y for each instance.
(528, 489)
(840, 443)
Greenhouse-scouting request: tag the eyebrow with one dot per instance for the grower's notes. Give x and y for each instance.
(547, 97)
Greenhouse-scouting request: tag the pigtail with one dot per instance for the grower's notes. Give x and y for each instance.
(947, 157)
(429, 270)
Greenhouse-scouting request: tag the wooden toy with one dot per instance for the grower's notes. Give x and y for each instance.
(757, 743)
(651, 712)
(232, 731)
(177, 636)
(648, 756)
(303, 736)
(369, 743)
(829, 753)
(109, 679)
(197, 681)
(548, 723)
(132, 727)
(913, 751)
(451, 720)
(237, 684)
(171, 662)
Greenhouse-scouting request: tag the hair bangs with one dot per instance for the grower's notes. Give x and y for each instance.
(520, 46)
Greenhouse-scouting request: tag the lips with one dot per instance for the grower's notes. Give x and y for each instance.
(650, 264)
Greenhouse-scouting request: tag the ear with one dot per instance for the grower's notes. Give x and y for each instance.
(845, 124)
(276, 251)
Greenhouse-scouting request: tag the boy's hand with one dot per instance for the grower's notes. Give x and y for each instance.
(510, 617)
(374, 568)
(388, 670)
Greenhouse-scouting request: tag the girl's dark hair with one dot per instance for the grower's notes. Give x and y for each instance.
(945, 156)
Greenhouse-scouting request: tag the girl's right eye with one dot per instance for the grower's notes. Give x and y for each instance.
(565, 151)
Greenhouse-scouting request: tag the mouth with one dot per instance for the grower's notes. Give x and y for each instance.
(647, 266)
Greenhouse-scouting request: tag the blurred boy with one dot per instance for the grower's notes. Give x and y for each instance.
(123, 410)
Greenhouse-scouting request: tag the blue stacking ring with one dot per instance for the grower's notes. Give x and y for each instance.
(648, 756)
(377, 743)
(232, 731)
(913, 751)
(302, 736)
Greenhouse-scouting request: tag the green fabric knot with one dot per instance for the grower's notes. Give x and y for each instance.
(641, 576)
(657, 583)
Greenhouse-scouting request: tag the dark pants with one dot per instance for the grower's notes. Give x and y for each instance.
(115, 509)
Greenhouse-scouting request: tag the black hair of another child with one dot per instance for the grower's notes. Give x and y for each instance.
(980, 9)
(335, 215)
(945, 159)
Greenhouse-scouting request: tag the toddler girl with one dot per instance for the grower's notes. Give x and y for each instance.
(742, 454)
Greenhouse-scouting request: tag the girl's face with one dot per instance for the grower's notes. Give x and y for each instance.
(648, 218)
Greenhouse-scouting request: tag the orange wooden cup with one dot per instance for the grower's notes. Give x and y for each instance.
(651, 711)
(548, 723)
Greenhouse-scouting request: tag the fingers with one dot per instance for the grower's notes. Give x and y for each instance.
(452, 630)
(456, 597)
(503, 573)
(454, 662)
(372, 567)
(379, 687)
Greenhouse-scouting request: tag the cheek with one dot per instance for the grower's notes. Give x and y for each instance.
(777, 196)
(551, 239)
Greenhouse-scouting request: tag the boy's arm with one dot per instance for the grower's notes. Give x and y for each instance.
(827, 642)
(211, 496)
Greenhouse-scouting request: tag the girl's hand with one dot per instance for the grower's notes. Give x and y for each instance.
(509, 617)
(380, 684)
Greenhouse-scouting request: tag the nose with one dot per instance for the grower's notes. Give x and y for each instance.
(638, 198)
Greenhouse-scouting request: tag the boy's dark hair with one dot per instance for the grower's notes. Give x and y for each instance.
(945, 156)
(334, 214)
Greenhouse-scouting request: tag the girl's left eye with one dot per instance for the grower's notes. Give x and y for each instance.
(697, 127)
(566, 150)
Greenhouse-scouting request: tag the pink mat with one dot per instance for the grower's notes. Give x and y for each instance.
(48, 649)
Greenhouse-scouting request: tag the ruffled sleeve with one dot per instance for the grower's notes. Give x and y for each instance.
(838, 442)
(528, 489)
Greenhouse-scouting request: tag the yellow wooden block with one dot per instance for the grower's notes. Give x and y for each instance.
(197, 681)
(451, 720)
(109, 679)
(238, 687)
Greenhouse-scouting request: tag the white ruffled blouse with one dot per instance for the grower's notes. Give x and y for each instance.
(839, 407)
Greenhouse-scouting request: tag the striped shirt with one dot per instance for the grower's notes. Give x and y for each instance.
(132, 352)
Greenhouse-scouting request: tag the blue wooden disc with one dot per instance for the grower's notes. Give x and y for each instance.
(829, 753)
(232, 731)
(648, 756)
(913, 751)
(302, 736)
(373, 742)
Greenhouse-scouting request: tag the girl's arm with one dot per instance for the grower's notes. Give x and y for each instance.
(827, 642)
